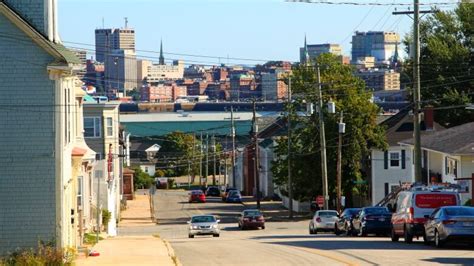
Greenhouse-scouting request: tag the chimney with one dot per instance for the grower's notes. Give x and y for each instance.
(429, 118)
(41, 14)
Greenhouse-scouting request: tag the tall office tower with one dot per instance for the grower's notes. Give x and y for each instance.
(113, 39)
(102, 43)
(379, 44)
(121, 70)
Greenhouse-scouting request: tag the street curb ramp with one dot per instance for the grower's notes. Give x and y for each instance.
(172, 254)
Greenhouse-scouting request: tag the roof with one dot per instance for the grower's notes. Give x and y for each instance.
(58, 51)
(399, 127)
(457, 140)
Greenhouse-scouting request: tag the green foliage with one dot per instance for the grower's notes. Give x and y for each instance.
(91, 239)
(447, 62)
(362, 131)
(141, 179)
(44, 254)
(106, 216)
(468, 203)
(160, 173)
(171, 183)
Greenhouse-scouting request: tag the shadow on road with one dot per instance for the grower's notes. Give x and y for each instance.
(348, 243)
(457, 261)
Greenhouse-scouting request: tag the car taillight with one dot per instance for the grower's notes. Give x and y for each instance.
(260, 218)
(318, 220)
(449, 222)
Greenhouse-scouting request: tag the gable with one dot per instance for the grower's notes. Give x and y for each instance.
(61, 55)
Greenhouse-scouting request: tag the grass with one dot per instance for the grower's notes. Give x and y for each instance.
(91, 239)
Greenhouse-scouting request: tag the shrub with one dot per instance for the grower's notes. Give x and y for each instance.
(171, 183)
(106, 216)
(44, 254)
(159, 173)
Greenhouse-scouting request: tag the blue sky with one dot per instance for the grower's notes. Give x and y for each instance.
(258, 29)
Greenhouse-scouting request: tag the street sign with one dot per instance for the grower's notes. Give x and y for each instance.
(320, 201)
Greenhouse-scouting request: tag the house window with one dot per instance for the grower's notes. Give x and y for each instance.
(80, 186)
(394, 159)
(92, 127)
(110, 128)
(146, 169)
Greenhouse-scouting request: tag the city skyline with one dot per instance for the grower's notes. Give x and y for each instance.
(239, 38)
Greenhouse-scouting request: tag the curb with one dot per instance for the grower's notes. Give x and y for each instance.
(171, 253)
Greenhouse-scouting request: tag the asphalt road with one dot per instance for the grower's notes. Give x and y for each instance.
(284, 243)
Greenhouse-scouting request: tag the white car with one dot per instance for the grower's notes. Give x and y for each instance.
(203, 225)
(323, 221)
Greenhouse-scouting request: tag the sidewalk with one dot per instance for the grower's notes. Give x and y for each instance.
(132, 250)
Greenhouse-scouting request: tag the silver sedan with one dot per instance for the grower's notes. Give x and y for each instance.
(453, 223)
(203, 225)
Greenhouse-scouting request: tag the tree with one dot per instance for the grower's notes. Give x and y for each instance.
(362, 131)
(142, 179)
(447, 62)
(177, 151)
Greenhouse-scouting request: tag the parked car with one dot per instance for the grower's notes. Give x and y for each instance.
(323, 221)
(251, 219)
(344, 223)
(453, 223)
(234, 197)
(225, 192)
(213, 192)
(412, 206)
(197, 196)
(372, 220)
(203, 225)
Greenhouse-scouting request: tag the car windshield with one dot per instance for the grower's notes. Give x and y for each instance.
(327, 214)
(203, 219)
(251, 213)
(376, 211)
(459, 211)
(353, 211)
(234, 193)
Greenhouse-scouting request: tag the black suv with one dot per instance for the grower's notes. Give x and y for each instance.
(213, 192)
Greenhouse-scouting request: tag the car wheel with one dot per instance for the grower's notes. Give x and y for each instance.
(362, 231)
(394, 236)
(336, 230)
(215, 235)
(191, 236)
(438, 242)
(407, 236)
(263, 227)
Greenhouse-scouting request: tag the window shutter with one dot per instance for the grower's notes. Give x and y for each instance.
(386, 189)
(403, 159)
(446, 166)
(385, 160)
(455, 168)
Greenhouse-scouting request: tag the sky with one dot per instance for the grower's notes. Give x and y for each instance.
(220, 30)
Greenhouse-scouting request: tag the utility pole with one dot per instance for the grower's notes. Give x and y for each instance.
(200, 162)
(207, 156)
(213, 145)
(256, 155)
(342, 129)
(290, 181)
(232, 134)
(416, 84)
(322, 136)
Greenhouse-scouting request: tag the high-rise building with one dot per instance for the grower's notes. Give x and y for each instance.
(314, 50)
(121, 70)
(379, 44)
(380, 79)
(113, 39)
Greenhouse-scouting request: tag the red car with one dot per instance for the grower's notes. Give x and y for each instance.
(251, 219)
(197, 196)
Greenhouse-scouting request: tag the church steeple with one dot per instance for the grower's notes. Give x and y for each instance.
(305, 51)
(162, 58)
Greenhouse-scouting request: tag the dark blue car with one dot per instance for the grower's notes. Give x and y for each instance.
(372, 220)
(234, 196)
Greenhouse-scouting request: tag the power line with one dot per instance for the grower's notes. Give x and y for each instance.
(372, 3)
